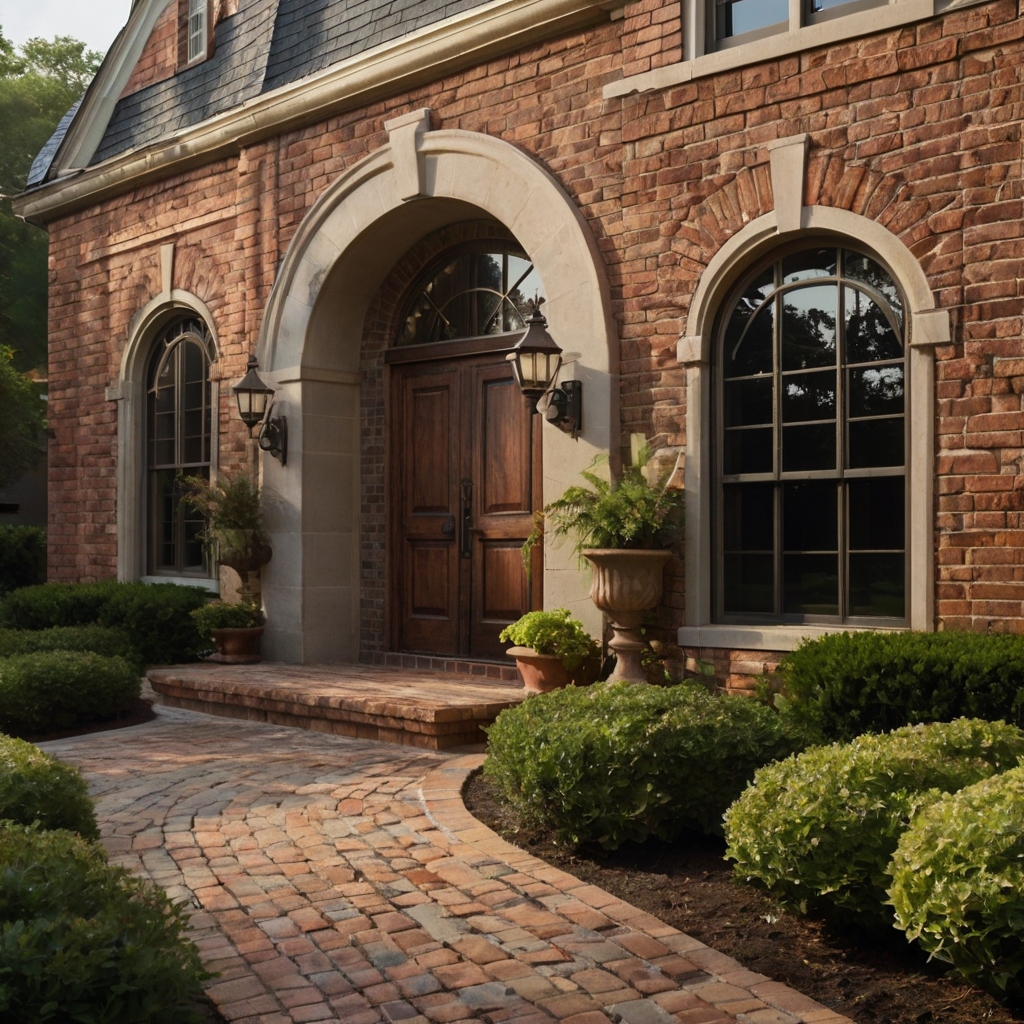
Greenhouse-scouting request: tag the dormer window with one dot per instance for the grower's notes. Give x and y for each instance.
(197, 31)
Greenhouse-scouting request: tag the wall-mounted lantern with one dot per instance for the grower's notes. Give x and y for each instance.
(254, 401)
(535, 362)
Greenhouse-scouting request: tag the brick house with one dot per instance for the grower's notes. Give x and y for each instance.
(782, 237)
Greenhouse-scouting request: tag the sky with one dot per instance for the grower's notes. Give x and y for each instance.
(95, 21)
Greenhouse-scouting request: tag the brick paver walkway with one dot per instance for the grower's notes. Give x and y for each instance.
(340, 879)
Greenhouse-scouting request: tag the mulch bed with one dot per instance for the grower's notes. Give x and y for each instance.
(688, 885)
(139, 712)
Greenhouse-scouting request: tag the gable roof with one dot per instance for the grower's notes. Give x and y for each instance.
(44, 158)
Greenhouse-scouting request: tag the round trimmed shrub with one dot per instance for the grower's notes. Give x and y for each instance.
(55, 690)
(958, 882)
(83, 941)
(35, 787)
(105, 640)
(623, 761)
(820, 828)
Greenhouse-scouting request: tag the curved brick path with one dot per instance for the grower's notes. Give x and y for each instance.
(344, 879)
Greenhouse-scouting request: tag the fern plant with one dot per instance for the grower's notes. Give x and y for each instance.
(631, 512)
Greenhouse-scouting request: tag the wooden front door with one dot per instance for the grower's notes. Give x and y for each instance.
(465, 483)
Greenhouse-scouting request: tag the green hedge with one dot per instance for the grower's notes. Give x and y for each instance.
(958, 882)
(35, 787)
(624, 761)
(157, 616)
(106, 640)
(22, 557)
(55, 690)
(820, 828)
(81, 941)
(845, 684)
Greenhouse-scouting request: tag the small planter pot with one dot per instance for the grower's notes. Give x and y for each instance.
(541, 673)
(240, 646)
(627, 584)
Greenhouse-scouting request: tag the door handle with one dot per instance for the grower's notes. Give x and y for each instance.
(467, 519)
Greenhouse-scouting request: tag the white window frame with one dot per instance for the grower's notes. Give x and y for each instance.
(805, 31)
(196, 30)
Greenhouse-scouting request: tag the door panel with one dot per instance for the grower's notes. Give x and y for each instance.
(466, 473)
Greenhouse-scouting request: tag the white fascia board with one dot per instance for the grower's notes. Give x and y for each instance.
(421, 56)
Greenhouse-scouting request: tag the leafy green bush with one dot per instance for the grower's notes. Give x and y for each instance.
(22, 557)
(623, 761)
(157, 616)
(220, 615)
(81, 941)
(553, 632)
(958, 882)
(55, 690)
(820, 827)
(845, 684)
(105, 640)
(37, 787)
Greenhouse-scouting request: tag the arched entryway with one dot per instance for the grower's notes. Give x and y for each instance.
(311, 346)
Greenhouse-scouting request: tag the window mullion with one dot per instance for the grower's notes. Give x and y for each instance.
(796, 14)
(777, 427)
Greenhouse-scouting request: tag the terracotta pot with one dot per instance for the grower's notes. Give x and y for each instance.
(627, 584)
(541, 672)
(238, 646)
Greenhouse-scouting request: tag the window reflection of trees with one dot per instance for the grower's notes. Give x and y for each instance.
(473, 294)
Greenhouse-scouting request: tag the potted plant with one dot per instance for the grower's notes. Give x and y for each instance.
(234, 522)
(234, 629)
(552, 650)
(624, 528)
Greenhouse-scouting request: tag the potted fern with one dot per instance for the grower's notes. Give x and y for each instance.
(624, 528)
(552, 650)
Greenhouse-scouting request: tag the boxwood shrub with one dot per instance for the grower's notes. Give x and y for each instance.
(22, 557)
(157, 616)
(35, 787)
(55, 690)
(958, 882)
(623, 761)
(81, 941)
(820, 828)
(105, 640)
(845, 684)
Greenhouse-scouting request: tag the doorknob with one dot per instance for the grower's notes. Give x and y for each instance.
(467, 518)
(448, 526)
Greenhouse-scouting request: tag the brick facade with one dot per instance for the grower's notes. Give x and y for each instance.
(917, 128)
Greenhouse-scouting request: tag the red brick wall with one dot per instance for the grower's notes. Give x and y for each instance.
(159, 58)
(917, 128)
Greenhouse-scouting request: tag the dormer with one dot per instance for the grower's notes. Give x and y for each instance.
(195, 31)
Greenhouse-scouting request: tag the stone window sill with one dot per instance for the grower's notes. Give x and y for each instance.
(763, 638)
(213, 586)
(783, 44)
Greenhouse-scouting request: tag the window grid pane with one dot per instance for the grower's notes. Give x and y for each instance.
(196, 29)
(833, 478)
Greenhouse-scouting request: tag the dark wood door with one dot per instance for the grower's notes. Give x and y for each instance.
(466, 476)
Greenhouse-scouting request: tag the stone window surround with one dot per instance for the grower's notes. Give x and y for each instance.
(926, 328)
(130, 393)
(800, 37)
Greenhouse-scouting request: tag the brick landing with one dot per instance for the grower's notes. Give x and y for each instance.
(417, 708)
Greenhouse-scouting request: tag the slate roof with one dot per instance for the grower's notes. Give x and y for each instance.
(268, 44)
(41, 164)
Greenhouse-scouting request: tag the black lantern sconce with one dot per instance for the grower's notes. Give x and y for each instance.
(535, 361)
(254, 401)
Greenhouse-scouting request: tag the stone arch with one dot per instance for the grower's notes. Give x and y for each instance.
(309, 346)
(130, 395)
(928, 326)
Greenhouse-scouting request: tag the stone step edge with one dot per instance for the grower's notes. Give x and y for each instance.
(441, 792)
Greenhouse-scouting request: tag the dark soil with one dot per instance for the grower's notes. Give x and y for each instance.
(139, 711)
(689, 886)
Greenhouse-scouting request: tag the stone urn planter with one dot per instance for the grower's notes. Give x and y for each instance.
(237, 646)
(541, 673)
(626, 584)
(245, 551)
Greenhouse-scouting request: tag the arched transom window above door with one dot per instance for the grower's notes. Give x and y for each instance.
(479, 290)
(811, 453)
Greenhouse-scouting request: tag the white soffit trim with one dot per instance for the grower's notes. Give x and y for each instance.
(421, 56)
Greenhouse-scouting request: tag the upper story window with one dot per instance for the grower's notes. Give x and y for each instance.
(811, 443)
(177, 441)
(196, 30)
(482, 290)
(735, 22)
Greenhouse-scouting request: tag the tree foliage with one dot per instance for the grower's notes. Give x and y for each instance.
(39, 82)
(22, 440)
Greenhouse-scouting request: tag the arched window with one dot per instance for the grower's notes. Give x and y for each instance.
(482, 290)
(177, 441)
(811, 442)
